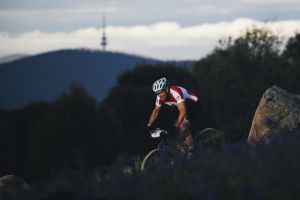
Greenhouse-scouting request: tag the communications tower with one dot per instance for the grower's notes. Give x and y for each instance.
(103, 38)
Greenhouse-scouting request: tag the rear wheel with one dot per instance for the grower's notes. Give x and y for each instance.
(209, 138)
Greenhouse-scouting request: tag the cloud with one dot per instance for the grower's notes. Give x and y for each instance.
(163, 40)
(272, 2)
(17, 16)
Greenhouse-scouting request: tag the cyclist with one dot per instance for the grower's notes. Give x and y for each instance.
(174, 96)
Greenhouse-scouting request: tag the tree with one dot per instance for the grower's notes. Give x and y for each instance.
(291, 56)
(235, 74)
(14, 136)
(61, 138)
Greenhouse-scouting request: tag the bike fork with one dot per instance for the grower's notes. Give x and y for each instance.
(164, 151)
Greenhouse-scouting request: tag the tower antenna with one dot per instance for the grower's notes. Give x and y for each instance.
(104, 40)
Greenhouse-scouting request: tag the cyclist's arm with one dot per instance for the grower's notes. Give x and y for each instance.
(182, 113)
(154, 115)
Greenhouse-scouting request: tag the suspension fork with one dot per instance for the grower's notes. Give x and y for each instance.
(164, 148)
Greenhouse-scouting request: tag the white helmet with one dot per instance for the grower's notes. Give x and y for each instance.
(159, 85)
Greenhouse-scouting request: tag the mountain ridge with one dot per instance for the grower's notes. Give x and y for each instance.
(12, 57)
(45, 76)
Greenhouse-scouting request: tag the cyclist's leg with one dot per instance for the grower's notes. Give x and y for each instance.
(186, 132)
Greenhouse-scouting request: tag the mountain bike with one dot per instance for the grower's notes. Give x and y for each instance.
(166, 155)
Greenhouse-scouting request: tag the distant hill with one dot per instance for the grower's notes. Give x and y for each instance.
(13, 57)
(48, 75)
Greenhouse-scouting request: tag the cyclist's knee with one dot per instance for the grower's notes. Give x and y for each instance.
(185, 130)
(185, 126)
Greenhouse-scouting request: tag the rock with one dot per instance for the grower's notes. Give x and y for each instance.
(278, 111)
(12, 187)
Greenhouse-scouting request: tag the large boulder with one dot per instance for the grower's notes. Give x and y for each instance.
(12, 187)
(277, 112)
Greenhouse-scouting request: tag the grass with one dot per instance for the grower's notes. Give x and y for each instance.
(235, 171)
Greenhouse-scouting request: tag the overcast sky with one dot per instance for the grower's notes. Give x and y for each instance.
(164, 29)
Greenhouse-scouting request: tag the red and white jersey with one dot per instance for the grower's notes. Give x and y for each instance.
(177, 95)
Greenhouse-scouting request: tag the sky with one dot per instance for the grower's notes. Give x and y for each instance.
(162, 29)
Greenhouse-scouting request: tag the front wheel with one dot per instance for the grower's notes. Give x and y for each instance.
(157, 158)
